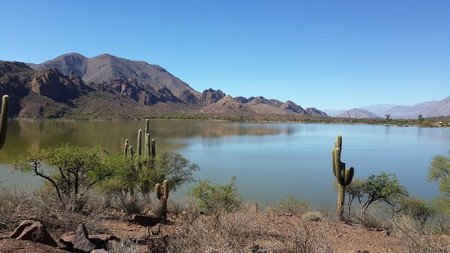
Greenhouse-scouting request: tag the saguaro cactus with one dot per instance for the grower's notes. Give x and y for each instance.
(147, 145)
(153, 148)
(162, 193)
(139, 143)
(343, 176)
(4, 120)
(125, 149)
(147, 126)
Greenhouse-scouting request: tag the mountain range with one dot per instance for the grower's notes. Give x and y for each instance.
(106, 86)
(427, 109)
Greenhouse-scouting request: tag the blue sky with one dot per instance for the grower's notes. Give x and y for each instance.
(327, 54)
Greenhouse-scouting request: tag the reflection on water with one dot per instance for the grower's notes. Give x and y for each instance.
(28, 136)
(271, 161)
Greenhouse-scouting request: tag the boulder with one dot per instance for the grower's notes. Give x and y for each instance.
(32, 230)
(81, 241)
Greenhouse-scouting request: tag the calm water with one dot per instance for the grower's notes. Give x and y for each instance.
(271, 161)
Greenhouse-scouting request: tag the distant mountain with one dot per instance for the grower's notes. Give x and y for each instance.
(377, 109)
(107, 68)
(356, 113)
(333, 112)
(107, 86)
(426, 109)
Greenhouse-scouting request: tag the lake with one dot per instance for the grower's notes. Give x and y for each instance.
(270, 160)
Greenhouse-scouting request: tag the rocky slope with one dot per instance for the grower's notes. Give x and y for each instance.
(426, 109)
(357, 114)
(107, 86)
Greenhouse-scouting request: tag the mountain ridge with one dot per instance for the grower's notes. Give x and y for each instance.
(107, 86)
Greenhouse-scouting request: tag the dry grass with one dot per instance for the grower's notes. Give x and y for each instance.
(416, 240)
(244, 231)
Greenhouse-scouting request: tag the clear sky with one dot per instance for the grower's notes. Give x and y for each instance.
(327, 54)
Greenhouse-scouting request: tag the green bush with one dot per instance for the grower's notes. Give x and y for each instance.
(384, 187)
(142, 174)
(440, 172)
(70, 171)
(212, 198)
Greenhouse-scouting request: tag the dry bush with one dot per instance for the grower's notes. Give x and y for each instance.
(244, 231)
(16, 204)
(415, 239)
(131, 203)
(290, 205)
(313, 216)
(367, 220)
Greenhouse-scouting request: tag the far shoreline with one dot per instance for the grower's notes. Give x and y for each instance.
(426, 122)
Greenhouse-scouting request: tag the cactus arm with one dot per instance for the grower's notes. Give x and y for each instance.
(158, 191)
(4, 120)
(166, 189)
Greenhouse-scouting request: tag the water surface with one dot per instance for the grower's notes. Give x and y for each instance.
(270, 160)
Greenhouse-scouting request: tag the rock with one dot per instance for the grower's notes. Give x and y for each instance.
(67, 239)
(33, 231)
(99, 251)
(81, 241)
(100, 240)
(14, 245)
(145, 220)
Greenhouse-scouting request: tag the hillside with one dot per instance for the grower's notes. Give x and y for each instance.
(356, 113)
(426, 109)
(109, 87)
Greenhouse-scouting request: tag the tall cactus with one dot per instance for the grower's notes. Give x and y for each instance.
(162, 193)
(153, 148)
(343, 176)
(147, 145)
(147, 126)
(125, 149)
(139, 143)
(4, 120)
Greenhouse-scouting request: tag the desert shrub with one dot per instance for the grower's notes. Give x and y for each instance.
(384, 187)
(439, 171)
(15, 204)
(415, 208)
(212, 198)
(313, 216)
(368, 220)
(70, 171)
(414, 238)
(141, 174)
(355, 190)
(290, 205)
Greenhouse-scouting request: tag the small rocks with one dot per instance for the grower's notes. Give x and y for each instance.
(32, 230)
(81, 241)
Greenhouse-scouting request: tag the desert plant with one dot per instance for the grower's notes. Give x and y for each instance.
(343, 176)
(70, 171)
(4, 120)
(439, 171)
(162, 194)
(354, 191)
(414, 239)
(415, 208)
(313, 216)
(384, 187)
(291, 205)
(212, 198)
